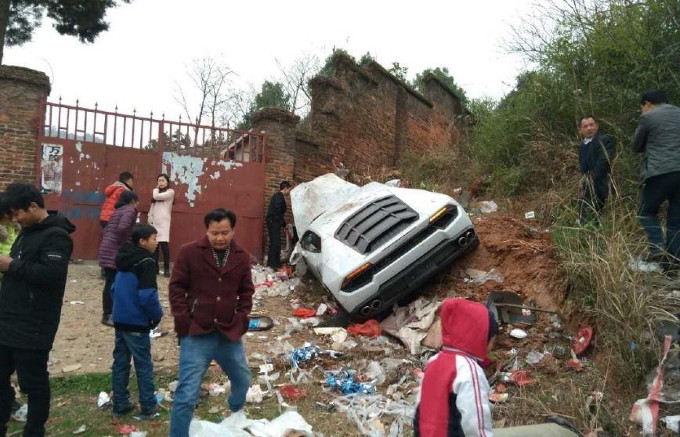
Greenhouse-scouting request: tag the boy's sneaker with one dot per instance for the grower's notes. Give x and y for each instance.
(118, 412)
(149, 414)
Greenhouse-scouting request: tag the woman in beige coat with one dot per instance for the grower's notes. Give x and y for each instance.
(160, 215)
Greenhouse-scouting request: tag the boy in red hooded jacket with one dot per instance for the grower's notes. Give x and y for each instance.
(454, 394)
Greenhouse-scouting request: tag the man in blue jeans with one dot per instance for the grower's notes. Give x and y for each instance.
(211, 292)
(136, 310)
(658, 137)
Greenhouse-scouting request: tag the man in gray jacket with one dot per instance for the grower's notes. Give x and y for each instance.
(658, 137)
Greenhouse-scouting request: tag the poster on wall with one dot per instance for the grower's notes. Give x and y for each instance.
(51, 166)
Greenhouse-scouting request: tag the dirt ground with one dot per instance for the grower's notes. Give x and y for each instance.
(524, 256)
(515, 247)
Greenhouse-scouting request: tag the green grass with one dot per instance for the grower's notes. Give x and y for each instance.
(74, 403)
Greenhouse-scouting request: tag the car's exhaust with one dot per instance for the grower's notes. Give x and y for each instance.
(466, 239)
(371, 308)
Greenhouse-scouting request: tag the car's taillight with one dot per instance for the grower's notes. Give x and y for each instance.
(443, 216)
(356, 273)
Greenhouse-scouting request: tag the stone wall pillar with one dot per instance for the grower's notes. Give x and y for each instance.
(279, 126)
(22, 92)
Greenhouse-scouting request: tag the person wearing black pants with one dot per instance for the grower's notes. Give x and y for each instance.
(31, 368)
(164, 247)
(31, 298)
(657, 137)
(596, 153)
(275, 222)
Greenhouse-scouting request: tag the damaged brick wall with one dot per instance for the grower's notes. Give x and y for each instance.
(370, 119)
(21, 93)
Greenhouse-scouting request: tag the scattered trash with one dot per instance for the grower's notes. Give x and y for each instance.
(261, 323)
(344, 382)
(370, 328)
(304, 312)
(214, 389)
(582, 339)
(124, 429)
(363, 409)
(672, 423)
(303, 354)
(321, 310)
(491, 275)
(289, 424)
(518, 333)
(138, 433)
(520, 377)
(646, 411)
(80, 429)
(639, 265)
(338, 335)
(173, 386)
(292, 393)
(103, 400)
(21, 414)
(375, 372)
(414, 325)
(498, 398)
(534, 357)
(508, 307)
(254, 395)
(575, 364)
(488, 206)
(71, 368)
(322, 406)
(77, 302)
(530, 215)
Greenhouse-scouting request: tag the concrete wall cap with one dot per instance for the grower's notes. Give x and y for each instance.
(26, 75)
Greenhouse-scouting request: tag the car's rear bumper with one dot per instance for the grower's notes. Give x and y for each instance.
(413, 277)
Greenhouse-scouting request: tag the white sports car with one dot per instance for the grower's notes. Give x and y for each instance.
(372, 246)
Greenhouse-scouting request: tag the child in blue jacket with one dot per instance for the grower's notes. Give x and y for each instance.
(136, 310)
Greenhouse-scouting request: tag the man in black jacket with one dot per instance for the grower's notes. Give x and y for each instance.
(596, 153)
(30, 303)
(276, 221)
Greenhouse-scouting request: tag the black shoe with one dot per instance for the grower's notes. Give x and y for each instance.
(166, 274)
(128, 408)
(107, 320)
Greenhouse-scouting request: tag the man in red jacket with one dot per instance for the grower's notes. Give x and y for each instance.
(211, 294)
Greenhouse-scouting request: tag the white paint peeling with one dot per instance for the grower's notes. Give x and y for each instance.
(185, 170)
(228, 165)
(188, 169)
(79, 147)
(77, 184)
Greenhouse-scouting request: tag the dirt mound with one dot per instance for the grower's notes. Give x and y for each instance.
(522, 253)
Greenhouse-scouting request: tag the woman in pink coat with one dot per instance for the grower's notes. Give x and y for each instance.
(160, 215)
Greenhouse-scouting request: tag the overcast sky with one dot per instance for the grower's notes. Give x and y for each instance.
(144, 55)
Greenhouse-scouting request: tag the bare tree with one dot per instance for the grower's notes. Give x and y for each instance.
(210, 93)
(296, 81)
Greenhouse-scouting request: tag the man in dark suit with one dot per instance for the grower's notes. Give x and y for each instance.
(596, 153)
(275, 222)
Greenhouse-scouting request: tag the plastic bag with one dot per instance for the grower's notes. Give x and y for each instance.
(368, 329)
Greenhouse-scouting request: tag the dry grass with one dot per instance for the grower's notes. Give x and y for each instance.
(624, 303)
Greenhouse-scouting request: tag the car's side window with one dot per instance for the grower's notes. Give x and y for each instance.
(311, 242)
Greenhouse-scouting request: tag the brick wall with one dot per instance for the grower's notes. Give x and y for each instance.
(370, 119)
(280, 126)
(21, 93)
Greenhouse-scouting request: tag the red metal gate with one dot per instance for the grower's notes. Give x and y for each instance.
(81, 151)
